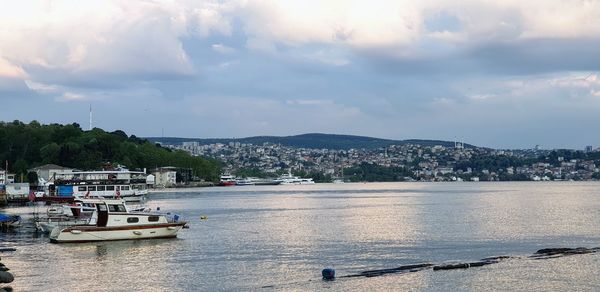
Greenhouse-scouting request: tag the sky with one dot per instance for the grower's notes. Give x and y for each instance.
(495, 73)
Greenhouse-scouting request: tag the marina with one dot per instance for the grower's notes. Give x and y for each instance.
(282, 237)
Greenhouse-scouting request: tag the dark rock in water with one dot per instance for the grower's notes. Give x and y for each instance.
(496, 258)
(6, 289)
(561, 251)
(6, 277)
(374, 273)
(465, 265)
(7, 249)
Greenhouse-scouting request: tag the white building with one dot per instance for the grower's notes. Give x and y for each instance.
(165, 177)
(49, 171)
(6, 178)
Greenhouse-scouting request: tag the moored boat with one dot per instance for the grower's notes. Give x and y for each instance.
(289, 179)
(78, 212)
(227, 180)
(113, 221)
(125, 184)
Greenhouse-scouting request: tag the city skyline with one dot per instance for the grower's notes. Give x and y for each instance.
(500, 74)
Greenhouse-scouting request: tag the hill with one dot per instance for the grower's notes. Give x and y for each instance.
(312, 140)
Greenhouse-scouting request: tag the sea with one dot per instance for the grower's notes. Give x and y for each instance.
(280, 238)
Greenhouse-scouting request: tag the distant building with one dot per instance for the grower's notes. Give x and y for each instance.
(49, 171)
(589, 148)
(165, 176)
(6, 178)
(2, 176)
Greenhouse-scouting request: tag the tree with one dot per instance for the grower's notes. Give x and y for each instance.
(32, 177)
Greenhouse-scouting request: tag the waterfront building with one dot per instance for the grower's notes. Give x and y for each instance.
(165, 176)
(47, 172)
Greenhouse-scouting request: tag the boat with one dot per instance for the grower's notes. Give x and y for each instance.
(9, 221)
(113, 221)
(227, 180)
(267, 182)
(244, 182)
(112, 184)
(289, 179)
(79, 212)
(251, 181)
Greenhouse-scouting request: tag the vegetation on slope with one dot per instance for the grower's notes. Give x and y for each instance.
(25, 146)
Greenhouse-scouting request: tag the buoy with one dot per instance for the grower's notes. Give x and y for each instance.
(203, 217)
(328, 274)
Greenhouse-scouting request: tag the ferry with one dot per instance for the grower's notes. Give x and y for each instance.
(289, 179)
(254, 181)
(117, 184)
(113, 221)
(227, 180)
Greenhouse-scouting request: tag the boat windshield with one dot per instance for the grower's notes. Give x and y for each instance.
(117, 208)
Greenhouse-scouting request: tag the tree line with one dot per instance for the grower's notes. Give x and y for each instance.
(25, 146)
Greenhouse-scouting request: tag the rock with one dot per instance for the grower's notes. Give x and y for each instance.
(6, 277)
(496, 258)
(401, 269)
(546, 253)
(7, 249)
(464, 265)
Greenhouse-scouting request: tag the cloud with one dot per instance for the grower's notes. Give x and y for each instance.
(428, 68)
(94, 39)
(8, 70)
(223, 49)
(70, 96)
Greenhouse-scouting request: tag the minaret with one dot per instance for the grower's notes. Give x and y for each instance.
(91, 117)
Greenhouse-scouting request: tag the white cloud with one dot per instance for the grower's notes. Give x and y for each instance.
(70, 96)
(43, 88)
(223, 49)
(8, 70)
(94, 37)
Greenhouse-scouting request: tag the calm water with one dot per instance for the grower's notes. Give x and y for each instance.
(283, 236)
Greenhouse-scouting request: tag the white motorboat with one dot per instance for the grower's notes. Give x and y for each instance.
(113, 221)
(289, 179)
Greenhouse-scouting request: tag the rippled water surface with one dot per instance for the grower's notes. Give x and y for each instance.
(281, 237)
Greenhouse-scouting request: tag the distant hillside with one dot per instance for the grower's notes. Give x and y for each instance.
(313, 140)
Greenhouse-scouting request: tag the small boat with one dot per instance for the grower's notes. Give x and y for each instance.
(78, 213)
(10, 221)
(113, 221)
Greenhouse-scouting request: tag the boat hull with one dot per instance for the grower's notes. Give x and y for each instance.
(92, 233)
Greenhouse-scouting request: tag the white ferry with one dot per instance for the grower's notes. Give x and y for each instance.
(120, 184)
(289, 179)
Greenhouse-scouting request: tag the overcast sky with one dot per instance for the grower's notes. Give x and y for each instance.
(504, 73)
